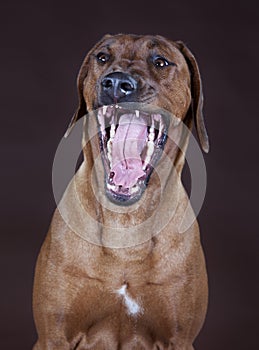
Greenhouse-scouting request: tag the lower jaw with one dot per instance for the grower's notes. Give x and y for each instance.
(123, 199)
(125, 196)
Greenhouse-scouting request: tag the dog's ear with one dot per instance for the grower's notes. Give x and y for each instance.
(197, 95)
(82, 108)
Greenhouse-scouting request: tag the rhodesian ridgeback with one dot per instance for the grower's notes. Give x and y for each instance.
(116, 272)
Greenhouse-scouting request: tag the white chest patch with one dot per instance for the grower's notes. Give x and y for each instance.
(132, 306)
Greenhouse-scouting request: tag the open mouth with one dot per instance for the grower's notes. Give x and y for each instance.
(131, 143)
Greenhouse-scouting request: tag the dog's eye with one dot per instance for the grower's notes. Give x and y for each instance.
(160, 62)
(102, 57)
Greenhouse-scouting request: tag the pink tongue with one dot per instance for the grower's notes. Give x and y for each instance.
(128, 144)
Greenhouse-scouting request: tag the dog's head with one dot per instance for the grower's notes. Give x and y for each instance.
(132, 70)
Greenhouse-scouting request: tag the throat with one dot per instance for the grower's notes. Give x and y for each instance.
(127, 146)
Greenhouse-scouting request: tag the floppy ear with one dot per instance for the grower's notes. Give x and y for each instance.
(82, 108)
(197, 95)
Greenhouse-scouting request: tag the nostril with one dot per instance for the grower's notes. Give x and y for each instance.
(126, 86)
(107, 83)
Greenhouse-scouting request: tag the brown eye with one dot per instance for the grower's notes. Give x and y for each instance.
(160, 62)
(102, 57)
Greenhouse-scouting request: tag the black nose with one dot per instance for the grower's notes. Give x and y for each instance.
(118, 86)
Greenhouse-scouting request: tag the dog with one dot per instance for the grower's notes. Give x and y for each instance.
(120, 274)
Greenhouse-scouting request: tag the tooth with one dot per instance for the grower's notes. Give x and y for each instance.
(112, 132)
(150, 151)
(104, 109)
(134, 189)
(150, 148)
(147, 160)
(112, 187)
(161, 127)
(151, 135)
(109, 153)
(102, 124)
(137, 113)
(109, 144)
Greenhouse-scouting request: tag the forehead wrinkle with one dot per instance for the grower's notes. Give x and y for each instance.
(124, 41)
(137, 47)
(131, 47)
(125, 49)
(157, 45)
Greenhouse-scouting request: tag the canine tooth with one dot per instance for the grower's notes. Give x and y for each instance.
(102, 125)
(147, 160)
(161, 127)
(150, 148)
(104, 109)
(109, 146)
(150, 151)
(112, 132)
(109, 143)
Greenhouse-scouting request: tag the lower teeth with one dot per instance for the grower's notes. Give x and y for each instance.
(115, 188)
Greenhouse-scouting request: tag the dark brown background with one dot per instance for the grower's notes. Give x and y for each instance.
(43, 45)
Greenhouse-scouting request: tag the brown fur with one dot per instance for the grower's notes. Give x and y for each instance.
(75, 301)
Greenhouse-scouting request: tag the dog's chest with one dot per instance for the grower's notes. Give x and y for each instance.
(132, 305)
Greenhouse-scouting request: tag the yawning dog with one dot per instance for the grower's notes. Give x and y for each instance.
(115, 272)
